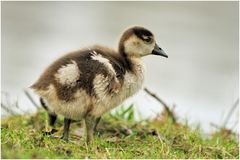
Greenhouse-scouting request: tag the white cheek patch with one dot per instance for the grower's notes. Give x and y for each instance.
(131, 46)
(104, 61)
(136, 47)
(147, 49)
(68, 74)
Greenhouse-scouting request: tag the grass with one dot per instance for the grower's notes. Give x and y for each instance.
(118, 137)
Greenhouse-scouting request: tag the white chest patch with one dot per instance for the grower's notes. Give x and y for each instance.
(68, 74)
(98, 57)
(133, 81)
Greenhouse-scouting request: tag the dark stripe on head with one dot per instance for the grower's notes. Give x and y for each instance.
(140, 32)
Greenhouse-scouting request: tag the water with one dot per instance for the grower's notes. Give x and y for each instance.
(201, 38)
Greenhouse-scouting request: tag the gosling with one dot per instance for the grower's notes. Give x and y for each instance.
(87, 83)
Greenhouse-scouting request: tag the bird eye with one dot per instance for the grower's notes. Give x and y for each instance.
(147, 38)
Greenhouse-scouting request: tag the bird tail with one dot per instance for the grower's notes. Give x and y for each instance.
(44, 105)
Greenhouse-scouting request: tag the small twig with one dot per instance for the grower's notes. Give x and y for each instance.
(230, 112)
(7, 109)
(19, 108)
(7, 99)
(30, 98)
(215, 125)
(219, 128)
(223, 127)
(235, 125)
(166, 107)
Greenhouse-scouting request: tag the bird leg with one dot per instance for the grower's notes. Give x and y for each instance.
(51, 117)
(96, 123)
(90, 122)
(51, 120)
(67, 123)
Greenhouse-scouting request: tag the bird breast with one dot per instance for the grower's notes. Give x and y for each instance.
(132, 83)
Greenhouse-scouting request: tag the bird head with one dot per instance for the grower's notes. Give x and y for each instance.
(138, 42)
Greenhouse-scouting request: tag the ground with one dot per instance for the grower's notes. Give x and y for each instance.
(118, 136)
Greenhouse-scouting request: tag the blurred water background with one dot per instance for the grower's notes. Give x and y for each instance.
(201, 38)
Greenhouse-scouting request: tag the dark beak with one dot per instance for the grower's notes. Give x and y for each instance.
(158, 51)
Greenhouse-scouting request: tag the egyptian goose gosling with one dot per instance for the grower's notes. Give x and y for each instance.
(87, 83)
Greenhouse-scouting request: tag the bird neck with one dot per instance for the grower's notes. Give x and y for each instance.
(130, 62)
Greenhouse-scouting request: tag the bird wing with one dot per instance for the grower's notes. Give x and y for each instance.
(111, 81)
(85, 70)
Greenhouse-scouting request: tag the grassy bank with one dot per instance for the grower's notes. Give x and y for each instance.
(118, 137)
